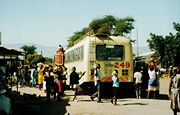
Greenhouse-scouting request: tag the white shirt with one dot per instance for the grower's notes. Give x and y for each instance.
(152, 74)
(138, 76)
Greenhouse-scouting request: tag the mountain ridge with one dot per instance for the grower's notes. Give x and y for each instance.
(49, 51)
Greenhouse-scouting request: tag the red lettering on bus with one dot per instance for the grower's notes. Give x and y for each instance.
(116, 65)
(122, 65)
(127, 64)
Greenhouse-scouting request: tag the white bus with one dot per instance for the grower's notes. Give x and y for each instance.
(111, 52)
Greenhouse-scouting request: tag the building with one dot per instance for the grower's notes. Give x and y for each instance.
(147, 56)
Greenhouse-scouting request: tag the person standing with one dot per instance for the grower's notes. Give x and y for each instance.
(138, 83)
(170, 71)
(57, 84)
(40, 77)
(64, 74)
(145, 79)
(174, 91)
(22, 72)
(49, 78)
(152, 84)
(75, 81)
(97, 82)
(115, 86)
(34, 76)
(27, 76)
(45, 74)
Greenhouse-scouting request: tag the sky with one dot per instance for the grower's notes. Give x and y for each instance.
(52, 22)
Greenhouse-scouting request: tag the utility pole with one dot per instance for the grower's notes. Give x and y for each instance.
(0, 38)
(41, 53)
(137, 45)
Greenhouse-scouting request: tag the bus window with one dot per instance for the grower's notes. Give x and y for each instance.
(124, 72)
(109, 52)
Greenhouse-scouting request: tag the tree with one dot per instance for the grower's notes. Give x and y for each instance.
(124, 26)
(108, 25)
(48, 60)
(31, 56)
(166, 48)
(103, 26)
(76, 36)
(156, 43)
(177, 44)
(33, 59)
(29, 50)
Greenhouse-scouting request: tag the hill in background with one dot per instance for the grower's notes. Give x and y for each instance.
(141, 49)
(45, 50)
(50, 51)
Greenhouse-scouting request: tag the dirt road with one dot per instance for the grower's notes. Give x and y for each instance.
(84, 105)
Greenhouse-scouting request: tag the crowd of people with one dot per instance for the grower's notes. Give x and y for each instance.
(50, 78)
(151, 83)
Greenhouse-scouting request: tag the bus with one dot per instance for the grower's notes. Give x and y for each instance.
(111, 52)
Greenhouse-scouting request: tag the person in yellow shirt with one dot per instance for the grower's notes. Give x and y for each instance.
(40, 77)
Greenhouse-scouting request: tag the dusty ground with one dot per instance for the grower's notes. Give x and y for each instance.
(84, 106)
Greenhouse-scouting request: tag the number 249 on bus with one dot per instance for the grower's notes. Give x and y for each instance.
(121, 65)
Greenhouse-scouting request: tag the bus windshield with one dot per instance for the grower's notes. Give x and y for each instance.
(109, 52)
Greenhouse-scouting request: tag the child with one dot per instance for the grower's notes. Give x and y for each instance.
(115, 86)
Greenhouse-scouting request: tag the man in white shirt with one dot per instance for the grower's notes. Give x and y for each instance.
(138, 82)
(97, 82)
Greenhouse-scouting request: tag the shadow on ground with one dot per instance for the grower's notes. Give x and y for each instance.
(28, 104)
(53, 108)
(163, 97)
(135, 104)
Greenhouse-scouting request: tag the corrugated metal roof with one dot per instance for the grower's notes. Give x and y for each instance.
(9, 52)
(147, 53)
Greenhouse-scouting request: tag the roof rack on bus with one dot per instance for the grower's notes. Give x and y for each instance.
(101, 35)
(90, 33)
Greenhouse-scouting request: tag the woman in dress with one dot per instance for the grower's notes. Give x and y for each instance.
(40, 77)
(174, 91)
(152, 83)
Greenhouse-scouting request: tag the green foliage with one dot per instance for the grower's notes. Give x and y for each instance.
(76, 36)
(124, 26)
(48, 60)
(29, 49)
(103, 26)
(166, 48)
(177, 43)
(108, 25)
(32, 58)
(176, 27)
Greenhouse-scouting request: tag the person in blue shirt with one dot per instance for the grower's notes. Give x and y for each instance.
(115, 86)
